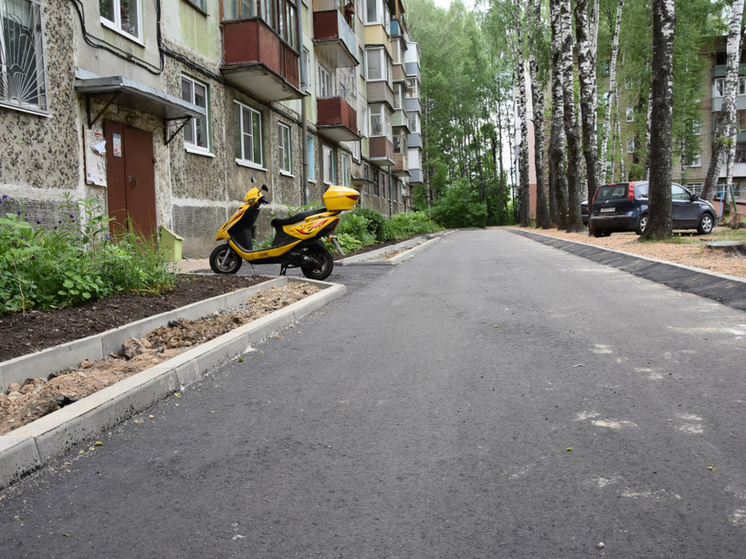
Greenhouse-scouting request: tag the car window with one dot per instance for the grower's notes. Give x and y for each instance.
(678, 193)
(612, 191)
(642, 190)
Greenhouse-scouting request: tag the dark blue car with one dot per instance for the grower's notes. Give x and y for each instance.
(624, 207)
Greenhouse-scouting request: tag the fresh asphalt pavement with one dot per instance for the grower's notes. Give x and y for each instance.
(491, 397)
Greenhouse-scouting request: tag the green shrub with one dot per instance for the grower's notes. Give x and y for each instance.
(347, 243)
(376, 223)
(459, 206)
(355, 226)
(75, 261)
(405, 225)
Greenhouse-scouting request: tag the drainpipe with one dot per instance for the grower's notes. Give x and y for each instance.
(303, 117)
(391, 187)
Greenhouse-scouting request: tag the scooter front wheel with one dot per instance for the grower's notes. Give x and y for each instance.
(224, 260)
(323, 263)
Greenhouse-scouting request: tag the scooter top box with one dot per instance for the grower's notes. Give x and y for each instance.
(338, 198)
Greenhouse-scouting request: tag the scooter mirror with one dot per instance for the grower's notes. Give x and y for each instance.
(264, 187)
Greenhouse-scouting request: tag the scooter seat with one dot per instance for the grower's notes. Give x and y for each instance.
(278, 222)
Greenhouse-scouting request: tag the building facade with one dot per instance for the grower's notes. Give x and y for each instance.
(168, 111)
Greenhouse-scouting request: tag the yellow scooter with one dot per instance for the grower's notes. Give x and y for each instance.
(298, 238)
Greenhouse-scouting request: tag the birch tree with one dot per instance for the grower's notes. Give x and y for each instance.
(572, 132)
(612, 96)
(537, 96)
(660, 222)
(524, 208)
(586, 17)
(725, 127)
(558, 139)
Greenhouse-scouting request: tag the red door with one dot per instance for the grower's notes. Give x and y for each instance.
(130, 175)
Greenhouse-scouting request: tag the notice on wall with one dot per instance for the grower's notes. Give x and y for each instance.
(95, 156)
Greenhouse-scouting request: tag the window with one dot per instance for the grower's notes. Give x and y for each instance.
(239, 9)
(122, 15)
(325, 83)
(398, 96)
(196, 131)
(695, 161)
(718, 87)
(199, 4)
(380, 121)
(311, 154)
(345, 170)
(305, 85)
(373, 11)
(249, 150)
(22, 79)
(286, 149)
(742, 86)
(376, 187)
(630, 145)
(379, 65)
(630, 114)
(413, 121)
(366, 175)
(330, 165)
(361, 54)
(414, 88)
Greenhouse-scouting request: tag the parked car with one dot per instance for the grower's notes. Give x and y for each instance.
(624, 207)
(584, 212)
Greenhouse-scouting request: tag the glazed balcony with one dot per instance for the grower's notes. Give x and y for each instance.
(257, 59)
(334, 39)
(401, 165)
(337, 120)
(381, 151)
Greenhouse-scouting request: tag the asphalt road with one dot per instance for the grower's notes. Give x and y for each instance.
(492, 397)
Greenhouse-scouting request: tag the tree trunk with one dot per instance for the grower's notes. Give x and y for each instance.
(524, 209)
(725, 129)
(574, 184)
(558, 139)
(613, 98)
(661, 149)
(537, 91)
(588, 92)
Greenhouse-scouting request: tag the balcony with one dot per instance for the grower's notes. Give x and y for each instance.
(380, 92)
(401, 167)
(337, 120)
(334, 39)
(257, 59)
(400, 120)
(381, 151)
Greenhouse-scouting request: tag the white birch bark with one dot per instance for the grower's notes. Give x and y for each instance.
(612, 99)
(725, 131)
(558, 141)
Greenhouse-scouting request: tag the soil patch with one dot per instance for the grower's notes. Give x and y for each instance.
(37, 330)
(39, 397)
(695, 254)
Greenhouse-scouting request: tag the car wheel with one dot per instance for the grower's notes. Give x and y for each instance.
(224, 260)
(642, 224)
(706, 224)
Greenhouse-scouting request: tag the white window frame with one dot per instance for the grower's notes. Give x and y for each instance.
(630, 114)
(311, 155)
(190, 129)
(381, 55)
(325, 84)
(380, 121)
(718, 87)
(116, 23)
(742, 85)
(696, 161)
(19, 94)
(345, 170)
(285, 145)
(631, 145)
(329, 163)
(255, 118)
(306, 62)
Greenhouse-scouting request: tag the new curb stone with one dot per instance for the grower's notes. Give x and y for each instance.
(378, 257)
(31, 446)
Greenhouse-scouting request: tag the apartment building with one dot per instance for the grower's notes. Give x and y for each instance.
(168, 111)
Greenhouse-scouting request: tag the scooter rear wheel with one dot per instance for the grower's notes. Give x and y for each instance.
(224, 260)
(323, 263)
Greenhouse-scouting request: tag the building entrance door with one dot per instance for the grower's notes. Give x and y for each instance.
(130, 175)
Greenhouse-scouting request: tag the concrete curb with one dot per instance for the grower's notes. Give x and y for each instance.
(377, 257)
(727, 290)
(31, 446)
